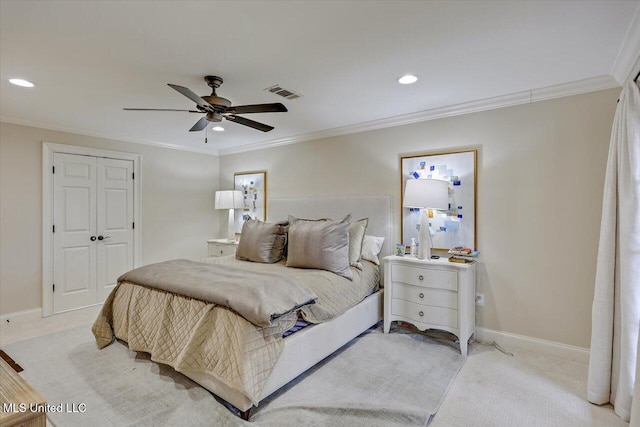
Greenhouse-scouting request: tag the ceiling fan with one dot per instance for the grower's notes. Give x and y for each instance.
(216, 108)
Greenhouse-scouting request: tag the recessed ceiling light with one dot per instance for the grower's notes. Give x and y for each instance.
(407, 79)
(21, 82)
(217, 128)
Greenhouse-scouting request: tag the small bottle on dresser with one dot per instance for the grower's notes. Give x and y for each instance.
(414, 247)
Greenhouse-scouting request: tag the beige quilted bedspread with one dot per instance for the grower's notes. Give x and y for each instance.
(259, 297)
(196, 336)
(335, 293)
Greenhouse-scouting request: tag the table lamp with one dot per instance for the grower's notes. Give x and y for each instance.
(229, 199)
(426, 194)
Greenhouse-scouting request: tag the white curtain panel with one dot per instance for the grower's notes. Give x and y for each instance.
(616, 304)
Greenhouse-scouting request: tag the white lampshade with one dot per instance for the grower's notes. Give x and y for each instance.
(426, 193)
(229, 199)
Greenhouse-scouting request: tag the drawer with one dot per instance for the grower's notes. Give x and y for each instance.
(440, 279)
(426, 296)
(216, 249)
(438, 316)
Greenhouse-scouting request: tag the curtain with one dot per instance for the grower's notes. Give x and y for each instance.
(616, 304)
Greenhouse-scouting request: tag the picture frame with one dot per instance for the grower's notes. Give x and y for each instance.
(253, 185)
(457, 225)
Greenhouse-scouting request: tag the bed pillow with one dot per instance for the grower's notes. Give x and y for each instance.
(262, 241)
(356, 237)
(371, 247)
(323, 245)
(293, 219)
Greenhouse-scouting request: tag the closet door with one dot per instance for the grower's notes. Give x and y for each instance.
(74, 219)
(114, 223)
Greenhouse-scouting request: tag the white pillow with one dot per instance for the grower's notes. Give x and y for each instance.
(371, 247)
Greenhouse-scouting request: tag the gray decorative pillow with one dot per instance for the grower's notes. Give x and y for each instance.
(293, 219)
(320, 244)
(356, 237)
(262, 241)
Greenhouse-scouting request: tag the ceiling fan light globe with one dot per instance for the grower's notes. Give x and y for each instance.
(214, 117)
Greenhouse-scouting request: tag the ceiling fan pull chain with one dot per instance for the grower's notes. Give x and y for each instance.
(206, 134)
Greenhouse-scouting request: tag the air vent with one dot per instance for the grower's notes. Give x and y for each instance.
(285, 93)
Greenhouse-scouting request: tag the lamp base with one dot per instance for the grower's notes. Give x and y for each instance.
(231, 232)
(424, 237)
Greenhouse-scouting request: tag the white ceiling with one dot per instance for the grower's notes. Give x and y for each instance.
(90, 59)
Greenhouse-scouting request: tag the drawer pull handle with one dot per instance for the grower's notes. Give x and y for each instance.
(221, 251)
(421, 313)
(421, 295)
(421, 277)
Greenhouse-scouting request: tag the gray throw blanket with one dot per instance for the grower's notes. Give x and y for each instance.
(258, 297)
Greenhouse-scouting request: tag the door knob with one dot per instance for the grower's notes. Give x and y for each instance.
(103, 237)
(92, 238)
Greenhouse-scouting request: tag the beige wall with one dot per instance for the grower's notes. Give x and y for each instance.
(177, 206)
(540, 181)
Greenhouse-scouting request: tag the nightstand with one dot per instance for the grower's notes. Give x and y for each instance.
(431, 294)
(221, 247)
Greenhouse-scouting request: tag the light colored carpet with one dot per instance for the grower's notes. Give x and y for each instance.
(377, 380)
(526, 390)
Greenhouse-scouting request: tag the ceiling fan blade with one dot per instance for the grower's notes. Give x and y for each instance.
(192, 96)
(257, 108)
(250, 123)
(160, 109)
(200, 124)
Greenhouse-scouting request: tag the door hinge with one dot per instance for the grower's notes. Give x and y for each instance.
(54, 287)
(53, 169)
(133, 175)
(133, 225)
(54, 228)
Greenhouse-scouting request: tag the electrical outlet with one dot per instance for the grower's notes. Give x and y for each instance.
(480, 299)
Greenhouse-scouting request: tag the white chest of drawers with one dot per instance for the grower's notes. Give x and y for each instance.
(431, 294)
(221, 247)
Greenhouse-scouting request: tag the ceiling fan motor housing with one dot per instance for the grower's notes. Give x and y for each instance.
(217, 101)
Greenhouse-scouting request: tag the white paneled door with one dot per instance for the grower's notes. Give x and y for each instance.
(93, 234)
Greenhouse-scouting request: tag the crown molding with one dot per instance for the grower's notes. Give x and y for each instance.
(518, 98)
(574, 88)
(85, 132)
(557, 91)
(627, 64)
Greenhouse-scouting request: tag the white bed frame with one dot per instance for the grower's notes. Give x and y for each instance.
(309, 346)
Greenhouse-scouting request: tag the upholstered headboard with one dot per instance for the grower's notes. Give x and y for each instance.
(376, 208)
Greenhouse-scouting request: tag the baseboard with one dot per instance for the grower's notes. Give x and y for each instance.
(548, 348)
(22, 316)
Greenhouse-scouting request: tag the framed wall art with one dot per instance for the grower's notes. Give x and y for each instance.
(253, 186)
(455, 226)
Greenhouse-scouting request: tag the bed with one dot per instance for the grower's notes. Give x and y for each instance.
(236, 360)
